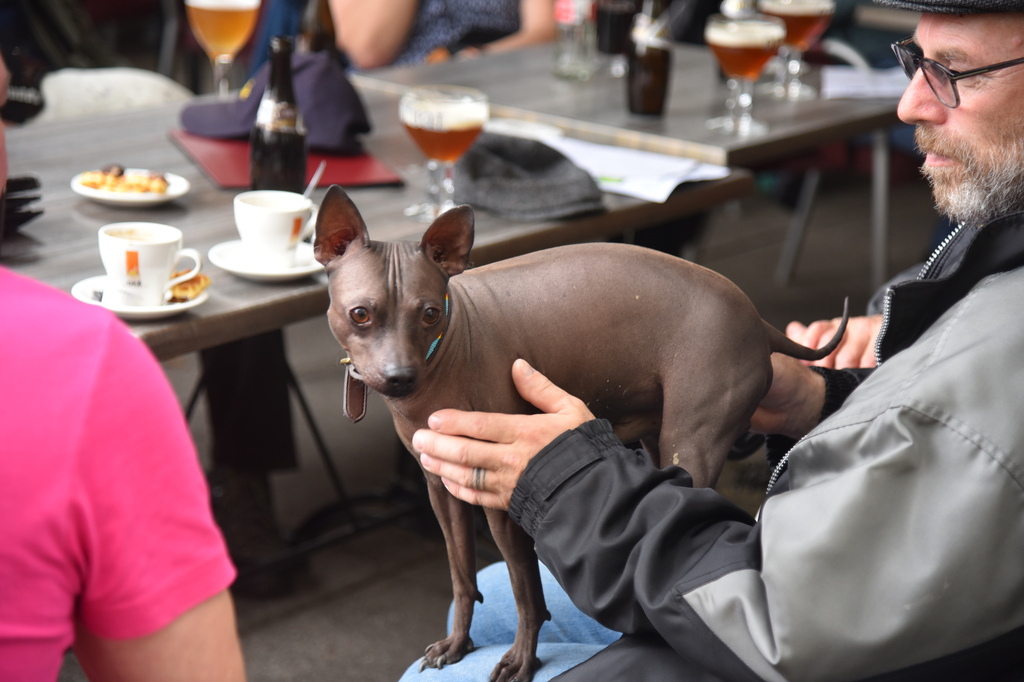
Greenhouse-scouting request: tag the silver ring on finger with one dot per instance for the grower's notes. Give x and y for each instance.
(477, 482)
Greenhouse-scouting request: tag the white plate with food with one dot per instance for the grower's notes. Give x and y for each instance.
(90, 290)
(230, 256)
(116, 186)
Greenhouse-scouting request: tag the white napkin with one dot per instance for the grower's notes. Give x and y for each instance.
(849, 82)
(633, 172)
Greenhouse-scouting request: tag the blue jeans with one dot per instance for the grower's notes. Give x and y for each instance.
(565, 641)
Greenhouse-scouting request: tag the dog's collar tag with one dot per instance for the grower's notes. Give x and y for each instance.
(354, 397)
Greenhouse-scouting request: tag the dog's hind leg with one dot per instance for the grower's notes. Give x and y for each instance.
(698, 431)
(457, 524)
(519, 662)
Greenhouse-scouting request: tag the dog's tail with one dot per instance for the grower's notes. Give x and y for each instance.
(780, 343)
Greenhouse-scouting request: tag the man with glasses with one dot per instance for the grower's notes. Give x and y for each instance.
(990, 189)
(891, 542)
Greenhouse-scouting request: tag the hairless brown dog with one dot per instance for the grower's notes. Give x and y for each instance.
(673, 354)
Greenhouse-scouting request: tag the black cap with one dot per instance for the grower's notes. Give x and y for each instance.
(330, 106)
(523, 180)
(955, 6)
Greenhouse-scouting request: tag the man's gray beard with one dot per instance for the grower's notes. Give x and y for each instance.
(977, 191)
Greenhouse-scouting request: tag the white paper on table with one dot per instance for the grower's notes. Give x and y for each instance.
(634, 172)
(848, 81)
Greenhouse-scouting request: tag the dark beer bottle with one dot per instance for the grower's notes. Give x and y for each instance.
(316, 29)
(277, 144)
(650, 60)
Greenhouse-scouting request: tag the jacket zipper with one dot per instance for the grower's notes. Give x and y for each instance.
(781, 467)
(886, 311)
(938, 250)
(886, 307)
(885, 323)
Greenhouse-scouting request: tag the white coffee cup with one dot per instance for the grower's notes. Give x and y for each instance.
(139, 259)
(271, 224)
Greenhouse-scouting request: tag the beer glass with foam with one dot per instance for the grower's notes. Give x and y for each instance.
(805, 21)
(222, 27)
(443, 121)
(742, 46)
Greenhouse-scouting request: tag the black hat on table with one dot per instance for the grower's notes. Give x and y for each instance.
(955, 6)
(330, 106)
(524, 180)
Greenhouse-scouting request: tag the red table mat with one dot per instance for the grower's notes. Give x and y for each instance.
(226, 163)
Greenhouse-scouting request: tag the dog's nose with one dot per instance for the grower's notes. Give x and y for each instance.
(400, 381)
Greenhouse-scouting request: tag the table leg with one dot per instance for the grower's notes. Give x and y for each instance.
(880, 208)
(794, 239)
(248, 385)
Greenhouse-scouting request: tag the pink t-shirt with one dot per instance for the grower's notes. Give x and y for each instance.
(104, 511)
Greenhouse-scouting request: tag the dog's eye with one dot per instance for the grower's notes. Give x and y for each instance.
(431, 315)
(359, 315)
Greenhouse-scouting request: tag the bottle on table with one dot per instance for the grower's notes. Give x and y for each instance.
(576, 42)
(316, 28)
(650, 59)
(277, 143)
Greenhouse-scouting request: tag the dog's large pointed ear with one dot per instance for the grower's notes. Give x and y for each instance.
(449, 240)
(338, 226)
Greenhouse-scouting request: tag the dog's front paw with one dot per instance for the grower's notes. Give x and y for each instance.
(448, 650)
(515, 666)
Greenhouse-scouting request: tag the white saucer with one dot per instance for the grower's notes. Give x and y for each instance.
(177, 187)
(230, 256)
(90, 290)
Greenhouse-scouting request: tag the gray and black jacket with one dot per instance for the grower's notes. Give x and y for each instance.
(891, 546)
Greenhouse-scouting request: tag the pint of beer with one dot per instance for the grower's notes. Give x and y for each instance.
(805, 20)
(443, 122)
(743, 47)
(222, 26)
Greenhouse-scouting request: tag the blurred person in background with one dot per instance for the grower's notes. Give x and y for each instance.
(372, 35)
(369, 35)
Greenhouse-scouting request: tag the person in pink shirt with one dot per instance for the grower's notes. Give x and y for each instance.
(107, 540)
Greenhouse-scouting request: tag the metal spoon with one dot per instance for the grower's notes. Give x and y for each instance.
(316, 179)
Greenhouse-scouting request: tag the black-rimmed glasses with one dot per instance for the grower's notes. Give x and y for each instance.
(941, 80)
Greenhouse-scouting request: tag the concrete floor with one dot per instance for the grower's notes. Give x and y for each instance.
(368, 605)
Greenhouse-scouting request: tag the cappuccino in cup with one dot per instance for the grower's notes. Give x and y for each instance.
(139, 259)
(271, 223)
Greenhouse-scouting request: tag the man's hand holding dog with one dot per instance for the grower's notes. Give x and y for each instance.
(480, 455)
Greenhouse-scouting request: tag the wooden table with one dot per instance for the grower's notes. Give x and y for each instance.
(520, 85)
(60, 246)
